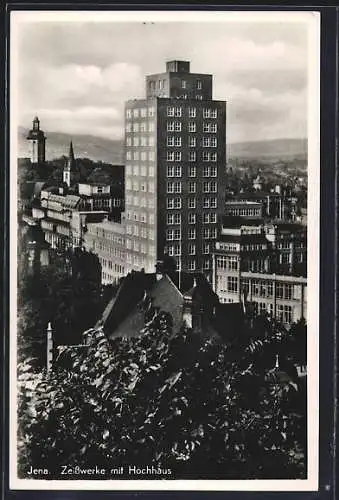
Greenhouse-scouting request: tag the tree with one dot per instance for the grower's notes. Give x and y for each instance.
(177, 401)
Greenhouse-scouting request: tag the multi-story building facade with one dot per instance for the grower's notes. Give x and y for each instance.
(107, 240)
(244, 208)
(175, 156)
(265, 261)
(99, 196)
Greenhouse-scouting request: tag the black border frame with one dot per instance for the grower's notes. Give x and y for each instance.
(329, 117)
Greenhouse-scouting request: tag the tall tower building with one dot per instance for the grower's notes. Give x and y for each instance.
(68, 172)
(175, 158)
(37, 140)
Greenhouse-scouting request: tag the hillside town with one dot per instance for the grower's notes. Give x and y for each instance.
(174, 243)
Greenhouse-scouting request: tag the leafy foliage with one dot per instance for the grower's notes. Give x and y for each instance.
(195, 405)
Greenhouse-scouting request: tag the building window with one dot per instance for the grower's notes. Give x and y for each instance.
(192, 156)
(199, 84)
(192, 171)
(174, 141)
(170, 156)
(213, 142)
(177, 155)
(177, 171)
(143, 156)
(232, 284)
(170, 126)
(206, 171)
(214, 233)
(191, 265)
(192, 218)
(192, 141)
(213, 218)
(174, 187)
(206, 248)
(151, 141)
(206, 233)
(129, 141)
(170, 170)
(205, 156)
(128, 155)
(213, 171)
(136, 113)
(206, 218)
(192, 127)
(191, 202)
(206, 189)
(174, 203)
(192, 187)
(284, 313)
(192, 112)
(191, 249)
(173, 219)
(135, 127)
(128, 113)
(151, 111)
(207, 263)
(210, 127)
(174, 111)
(183, 84)
(213, 156)
(191, 233)
(213, 188)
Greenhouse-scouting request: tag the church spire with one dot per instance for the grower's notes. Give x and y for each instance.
(71, 159)
(71, 152)
(69, 166)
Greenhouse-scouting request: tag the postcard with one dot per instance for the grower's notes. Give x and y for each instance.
(164, 291)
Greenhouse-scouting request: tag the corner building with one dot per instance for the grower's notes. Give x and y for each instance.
(175, 157)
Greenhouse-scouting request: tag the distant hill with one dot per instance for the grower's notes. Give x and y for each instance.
(85, 146)
(277, 149)
(111, 150)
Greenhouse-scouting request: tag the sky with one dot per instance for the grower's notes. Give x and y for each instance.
(77, 75)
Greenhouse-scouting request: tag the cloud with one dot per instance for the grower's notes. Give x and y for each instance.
(77, 76)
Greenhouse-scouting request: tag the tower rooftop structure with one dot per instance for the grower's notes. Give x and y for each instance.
(37, 140)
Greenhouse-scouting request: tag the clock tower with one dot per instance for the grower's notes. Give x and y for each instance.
(37, 140)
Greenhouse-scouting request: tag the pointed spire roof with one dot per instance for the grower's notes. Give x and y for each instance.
(71, 152)
(70, 160)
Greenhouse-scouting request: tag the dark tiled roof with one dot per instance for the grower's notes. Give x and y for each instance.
(130, 293)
